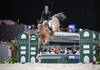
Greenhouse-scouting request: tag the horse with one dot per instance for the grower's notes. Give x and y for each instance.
(44, 28)
(54, 23)
(44, 34)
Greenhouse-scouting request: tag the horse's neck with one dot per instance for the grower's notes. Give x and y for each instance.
(55, 24)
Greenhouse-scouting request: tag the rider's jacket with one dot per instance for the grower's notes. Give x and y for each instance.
(45, 16)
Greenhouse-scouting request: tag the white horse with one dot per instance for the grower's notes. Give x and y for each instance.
(54, 23)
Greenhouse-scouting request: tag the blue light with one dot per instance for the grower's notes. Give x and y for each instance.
(72, 26)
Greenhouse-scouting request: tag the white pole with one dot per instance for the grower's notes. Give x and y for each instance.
(29, 50)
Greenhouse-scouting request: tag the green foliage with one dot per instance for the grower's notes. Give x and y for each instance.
(13, 59)
(98, 58)
(9, 60)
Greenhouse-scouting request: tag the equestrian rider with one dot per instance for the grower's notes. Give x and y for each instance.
(46, 14)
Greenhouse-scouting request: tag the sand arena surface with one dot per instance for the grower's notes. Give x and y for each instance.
(38, 66)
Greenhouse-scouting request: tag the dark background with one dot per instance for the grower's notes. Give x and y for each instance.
(84, 13)
(10, 32)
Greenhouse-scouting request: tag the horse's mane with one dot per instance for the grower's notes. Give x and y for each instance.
(60, 16)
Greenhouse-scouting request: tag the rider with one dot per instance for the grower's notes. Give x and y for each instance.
(46, 14)
(45, 17)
